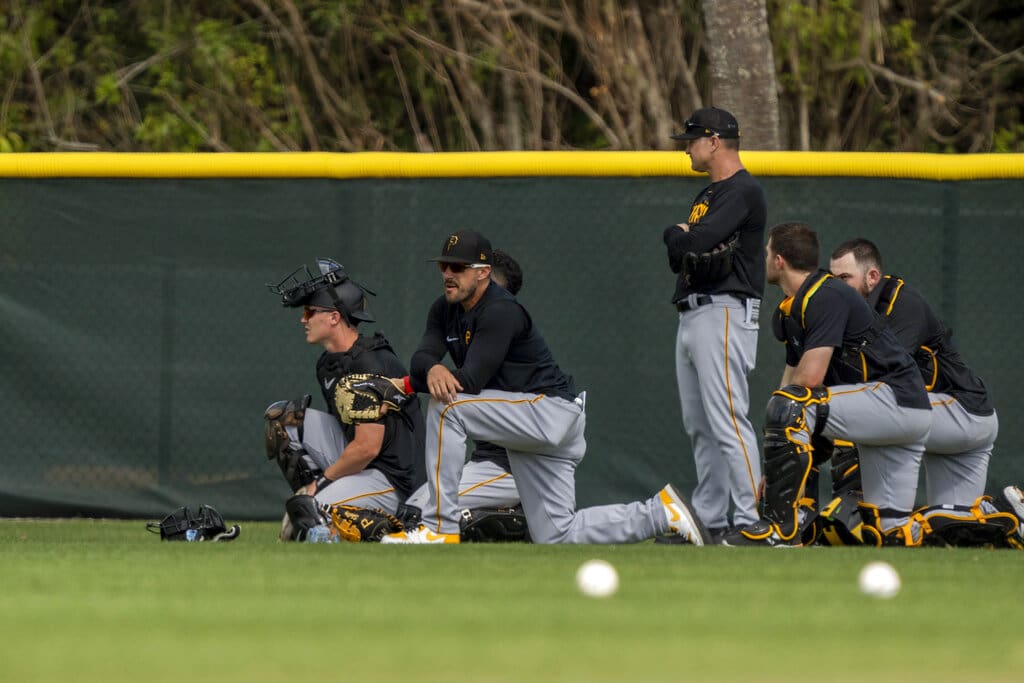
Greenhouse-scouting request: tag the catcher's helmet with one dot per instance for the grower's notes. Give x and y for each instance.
(332, 288)
(202, 524)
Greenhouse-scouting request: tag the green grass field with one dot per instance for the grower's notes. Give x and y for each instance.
(102, 601)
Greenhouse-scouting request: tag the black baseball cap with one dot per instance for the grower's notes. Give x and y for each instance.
(466, 247)
(708, 122)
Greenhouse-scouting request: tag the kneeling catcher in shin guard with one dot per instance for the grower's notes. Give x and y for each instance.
(981, 525)
(788, 463)
(282, 435)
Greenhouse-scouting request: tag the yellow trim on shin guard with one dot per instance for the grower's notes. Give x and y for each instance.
(789, 461)
(902, 535)
(960, 526)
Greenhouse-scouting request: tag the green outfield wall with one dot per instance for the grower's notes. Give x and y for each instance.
(140, 346)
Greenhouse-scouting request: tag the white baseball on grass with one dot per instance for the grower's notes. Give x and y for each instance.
(878, 579)
(597, 579)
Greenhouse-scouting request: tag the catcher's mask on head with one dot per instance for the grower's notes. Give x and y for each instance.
(332, 288)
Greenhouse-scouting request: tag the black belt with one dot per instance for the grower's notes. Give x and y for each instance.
(684, 305)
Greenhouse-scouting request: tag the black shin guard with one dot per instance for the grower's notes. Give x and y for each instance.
(840, 520)
(786, 470)
(788, 463)
(304, 514)
(963, 526)
(296, 465)
(873, 533)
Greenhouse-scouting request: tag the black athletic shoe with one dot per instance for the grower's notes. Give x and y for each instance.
(760, 533)
(716, 534)
(719, 533)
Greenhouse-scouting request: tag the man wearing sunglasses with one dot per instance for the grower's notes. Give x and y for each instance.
(716, 255)
(487, 491)
(367, 465)
(506, 388)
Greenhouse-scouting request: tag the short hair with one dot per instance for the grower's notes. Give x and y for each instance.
(730, 143)
(864, 251)
(797, 243)
(506, 272)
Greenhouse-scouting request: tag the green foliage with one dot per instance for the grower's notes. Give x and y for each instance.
(163, 131)
(11, 142)
(1009, 140)
(107, 90)
(861, 75)
(242, 76)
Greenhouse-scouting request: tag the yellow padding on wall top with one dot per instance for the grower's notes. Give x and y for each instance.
(498, 164)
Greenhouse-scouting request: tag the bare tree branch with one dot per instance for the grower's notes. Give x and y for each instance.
(540, 78)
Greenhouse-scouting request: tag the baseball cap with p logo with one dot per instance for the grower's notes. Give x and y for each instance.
(467, 247)
(708, 122)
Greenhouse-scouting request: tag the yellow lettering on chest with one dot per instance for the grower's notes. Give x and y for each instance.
(697, 212)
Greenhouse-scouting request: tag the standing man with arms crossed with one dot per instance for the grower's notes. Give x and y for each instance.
(506, 388)
(846, 377)
(964, 422)
(717, 255)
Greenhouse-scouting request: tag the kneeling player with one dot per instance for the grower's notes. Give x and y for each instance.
(964, 422)
(491, 510)
(366, 465)
(845, 378)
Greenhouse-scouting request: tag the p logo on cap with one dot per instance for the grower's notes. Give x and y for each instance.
(466, 247)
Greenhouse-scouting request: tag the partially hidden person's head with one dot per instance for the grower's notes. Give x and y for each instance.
(858, 263)
(465, 265)
(505, 272)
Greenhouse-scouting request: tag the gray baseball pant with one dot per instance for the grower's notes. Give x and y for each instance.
(544, 439)
(889, 437)
(716, 346)
(483, 484)
(957, 453)
(324, 440)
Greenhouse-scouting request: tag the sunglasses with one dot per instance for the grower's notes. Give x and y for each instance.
(457, 268)
(309, 311)
(705, 131)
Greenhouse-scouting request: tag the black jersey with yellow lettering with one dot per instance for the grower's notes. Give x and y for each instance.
(735, 206)
(401, 454)
(494, 345)
(925, 336)
(826, 312)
